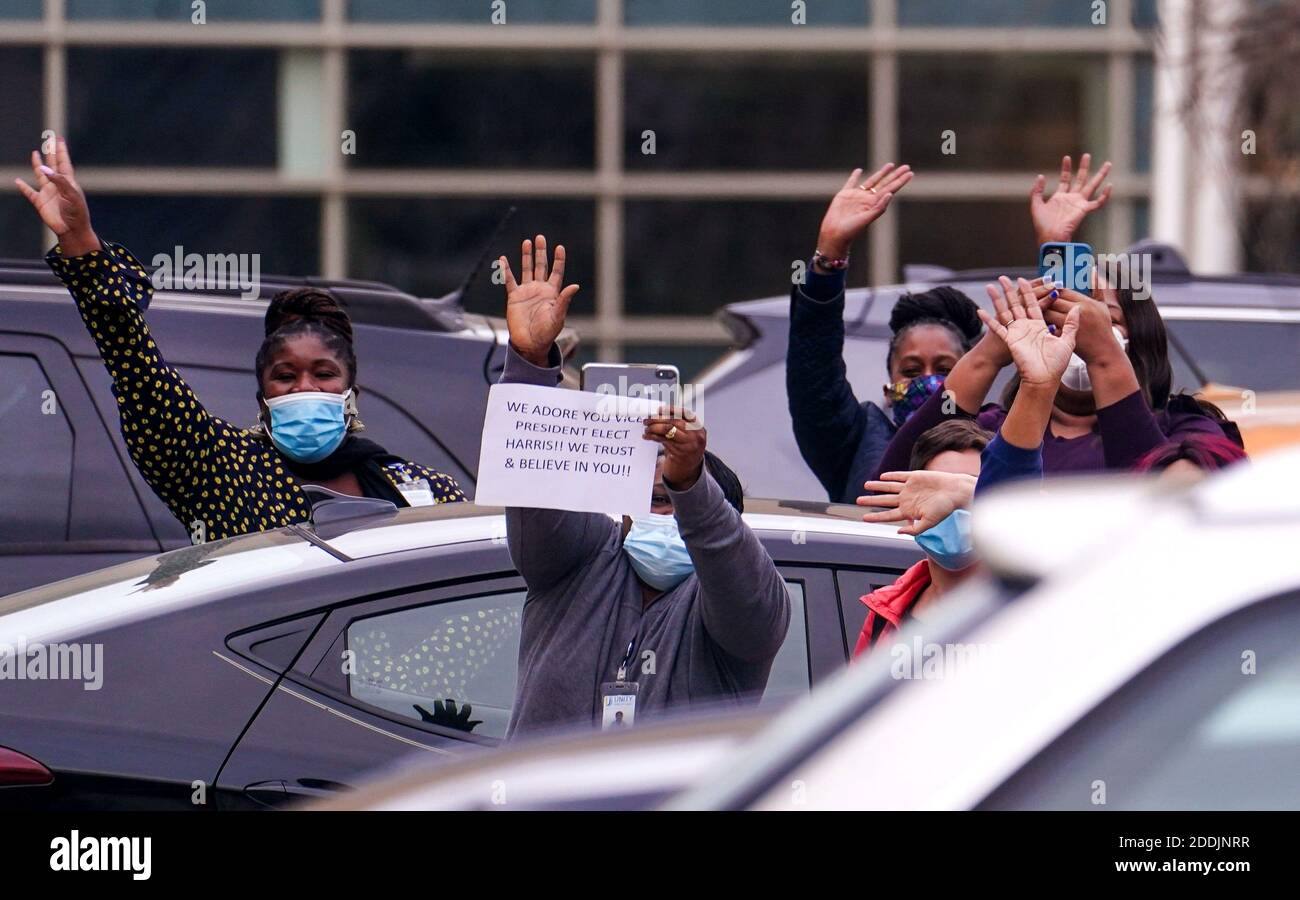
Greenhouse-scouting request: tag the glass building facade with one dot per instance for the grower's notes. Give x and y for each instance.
(682, 150)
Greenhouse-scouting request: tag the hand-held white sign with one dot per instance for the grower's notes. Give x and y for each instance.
(559, 449)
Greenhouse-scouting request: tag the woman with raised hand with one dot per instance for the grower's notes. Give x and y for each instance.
(839, 437)
(1114, 404)
(219, 479)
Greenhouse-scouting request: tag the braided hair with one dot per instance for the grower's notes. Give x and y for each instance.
(944, 306)
(308, 311)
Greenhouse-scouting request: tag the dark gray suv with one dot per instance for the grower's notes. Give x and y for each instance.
(70, 498)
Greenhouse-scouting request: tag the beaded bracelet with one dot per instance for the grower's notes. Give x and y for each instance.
(828, 263)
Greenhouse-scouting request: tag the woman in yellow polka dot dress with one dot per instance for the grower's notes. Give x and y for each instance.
(218, 479)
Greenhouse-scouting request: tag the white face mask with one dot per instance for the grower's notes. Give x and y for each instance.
(1076, 373)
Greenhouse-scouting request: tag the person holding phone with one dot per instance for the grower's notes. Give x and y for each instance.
(840, 438)
(216, 478)
(1117, 405)
(679, 607)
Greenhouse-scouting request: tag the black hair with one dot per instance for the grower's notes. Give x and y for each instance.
(307, 311)
(1148, 347)
(944, 306)
(727, 480)
(954, 434)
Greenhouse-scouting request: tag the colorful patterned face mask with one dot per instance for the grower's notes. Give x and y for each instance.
(908, 396)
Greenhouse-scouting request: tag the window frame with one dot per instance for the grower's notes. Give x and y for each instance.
(91, 440)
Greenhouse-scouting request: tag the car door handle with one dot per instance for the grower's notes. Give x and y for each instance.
(278, 792)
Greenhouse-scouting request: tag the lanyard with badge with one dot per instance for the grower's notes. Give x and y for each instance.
(618, 698)
(416, 491)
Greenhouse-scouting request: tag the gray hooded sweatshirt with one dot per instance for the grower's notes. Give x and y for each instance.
(711, 639)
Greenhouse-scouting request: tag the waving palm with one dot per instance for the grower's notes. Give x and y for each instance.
(57, 197)
(536, 304)
(1057, 218)
(1040, 355)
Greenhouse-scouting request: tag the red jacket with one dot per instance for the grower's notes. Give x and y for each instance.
(891, 603)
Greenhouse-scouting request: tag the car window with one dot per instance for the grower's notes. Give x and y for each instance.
(36, 442)
(1212, 725)
(1262, 356)
(790, 675)
(411, 662)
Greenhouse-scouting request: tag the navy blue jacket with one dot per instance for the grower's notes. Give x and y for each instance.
(840, 439)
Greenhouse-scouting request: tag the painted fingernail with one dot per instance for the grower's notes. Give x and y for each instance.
(1051, 329)
(1053, 295)
(46, 170)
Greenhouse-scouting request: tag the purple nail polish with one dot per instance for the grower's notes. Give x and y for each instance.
(1053, 295)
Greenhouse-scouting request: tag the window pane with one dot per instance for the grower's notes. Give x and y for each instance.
(20, 9)
(21, 110)
(995, 13)
(1006, 112)
(789, 677)
(1261, 356)
(690, 360)
(1189, 732)
(694, 257)
(39, 447)
(746, 112)
(424, 108)
(1146, 13)
(517, 12)
(285, 231)
(428, 246)
(743, 12)
(1272, 236)
(1143, 112)
(466, 650)
(20, 228)
(183, 10)
(172, 107)
(971, 235)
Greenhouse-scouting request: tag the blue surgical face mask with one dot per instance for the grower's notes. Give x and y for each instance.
(308, 426)
(948, 544)
(657, 552)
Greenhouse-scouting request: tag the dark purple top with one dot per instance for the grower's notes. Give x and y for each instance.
(1126, 431)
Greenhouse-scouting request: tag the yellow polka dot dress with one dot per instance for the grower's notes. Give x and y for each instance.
(218, 479)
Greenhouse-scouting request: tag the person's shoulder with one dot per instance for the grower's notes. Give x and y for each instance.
(442, 484)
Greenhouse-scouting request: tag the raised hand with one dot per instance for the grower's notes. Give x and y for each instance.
(857, 205)
(1040, 355)
(1096, 338)
(1057, 218)
(536, 304)
(59, 200)
(920, 497)
(684, 440)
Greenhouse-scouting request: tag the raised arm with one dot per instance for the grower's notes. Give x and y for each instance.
(1041, 358)
(828, 420)
(1125, 421)
(964, 389)
(167, 430)
(546, 545)
(743, 600)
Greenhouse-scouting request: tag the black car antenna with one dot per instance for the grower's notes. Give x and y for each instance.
(465, 285)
